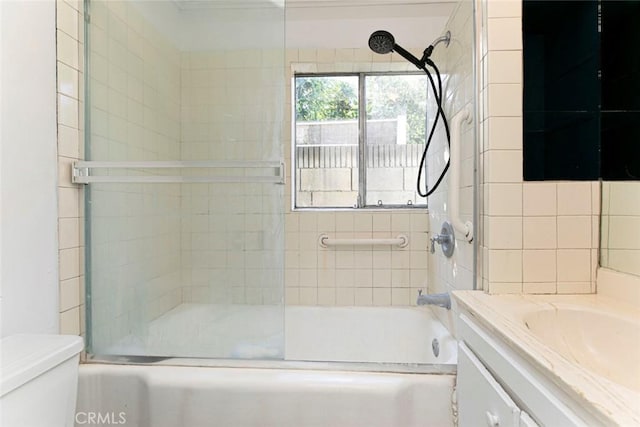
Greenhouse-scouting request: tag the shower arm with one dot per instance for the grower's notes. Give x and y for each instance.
(446, 39)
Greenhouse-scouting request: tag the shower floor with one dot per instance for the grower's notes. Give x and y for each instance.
(339, 334)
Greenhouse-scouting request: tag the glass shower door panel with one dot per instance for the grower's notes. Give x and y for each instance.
(133, 260)
(186, 270)
(232, 258)
(184, 213)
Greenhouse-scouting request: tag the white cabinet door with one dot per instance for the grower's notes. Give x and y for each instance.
(481, 400)
(527, 421)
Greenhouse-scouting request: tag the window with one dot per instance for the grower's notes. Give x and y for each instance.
(358, 140)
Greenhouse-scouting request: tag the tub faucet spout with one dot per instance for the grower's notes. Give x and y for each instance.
(441, 300)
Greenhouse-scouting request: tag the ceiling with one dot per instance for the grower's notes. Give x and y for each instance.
(199, 25)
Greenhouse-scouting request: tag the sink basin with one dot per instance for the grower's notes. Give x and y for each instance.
(601, 342)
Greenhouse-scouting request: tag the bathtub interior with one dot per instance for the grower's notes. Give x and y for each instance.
(370, 335)
(234, 331)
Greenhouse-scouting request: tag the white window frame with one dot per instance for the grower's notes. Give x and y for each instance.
(362, 124)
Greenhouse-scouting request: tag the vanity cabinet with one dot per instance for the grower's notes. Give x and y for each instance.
(481, 400)
(496, 386)
(526, 420)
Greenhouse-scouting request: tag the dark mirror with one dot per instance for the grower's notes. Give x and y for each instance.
(581, 90)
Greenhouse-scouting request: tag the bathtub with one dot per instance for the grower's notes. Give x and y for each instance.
(338, 366)
(178, 396)
(396, 335)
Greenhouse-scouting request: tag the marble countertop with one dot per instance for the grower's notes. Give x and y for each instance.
(504, 315)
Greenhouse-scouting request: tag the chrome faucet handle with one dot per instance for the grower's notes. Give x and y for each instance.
(433, 240)
(446, 239)
(439, 239)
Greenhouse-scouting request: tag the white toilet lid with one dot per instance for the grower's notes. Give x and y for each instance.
(25, 356)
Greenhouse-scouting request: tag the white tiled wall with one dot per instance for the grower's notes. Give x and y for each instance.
(456, 62)
(354, 275)
(539, 237)
(70, 68)
(621, 226)
(365, 275)
(232, 234)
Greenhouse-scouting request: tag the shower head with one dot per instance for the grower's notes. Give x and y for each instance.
(382, 42)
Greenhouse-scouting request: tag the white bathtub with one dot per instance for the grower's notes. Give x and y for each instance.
(336, 334)
(338, 367)
(169, 396)
(367, 334)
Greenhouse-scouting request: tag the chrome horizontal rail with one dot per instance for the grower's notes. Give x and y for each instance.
(401, 241)
(274, 172)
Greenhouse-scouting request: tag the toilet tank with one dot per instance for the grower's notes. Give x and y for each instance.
(39, 380)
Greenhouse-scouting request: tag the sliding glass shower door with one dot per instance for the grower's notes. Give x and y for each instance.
(183, 178)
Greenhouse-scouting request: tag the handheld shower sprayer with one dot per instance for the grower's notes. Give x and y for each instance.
(383, 42)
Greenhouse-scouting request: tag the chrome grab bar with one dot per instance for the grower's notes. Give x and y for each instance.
(401, 241)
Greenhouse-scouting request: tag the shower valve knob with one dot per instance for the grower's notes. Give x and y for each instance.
(439, 239)
(446, 239)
